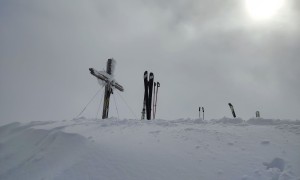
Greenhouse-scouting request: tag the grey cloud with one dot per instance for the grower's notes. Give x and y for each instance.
(204, 53)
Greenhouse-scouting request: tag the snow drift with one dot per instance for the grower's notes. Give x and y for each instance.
(257, 149)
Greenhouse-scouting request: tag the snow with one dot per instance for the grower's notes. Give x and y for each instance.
(221, 149)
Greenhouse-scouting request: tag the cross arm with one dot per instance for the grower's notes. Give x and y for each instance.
(106, 78)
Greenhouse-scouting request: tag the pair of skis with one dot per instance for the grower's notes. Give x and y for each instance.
(148, 85)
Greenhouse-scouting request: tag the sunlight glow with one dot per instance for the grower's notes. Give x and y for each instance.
(263, 9)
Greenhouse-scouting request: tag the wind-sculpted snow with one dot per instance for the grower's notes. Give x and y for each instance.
(78, 149)
(27, 153)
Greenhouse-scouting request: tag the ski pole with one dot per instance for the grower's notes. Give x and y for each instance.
(203, 113)
(154, 101)
(157, 86)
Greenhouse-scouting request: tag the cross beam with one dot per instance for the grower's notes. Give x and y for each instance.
(107, 77)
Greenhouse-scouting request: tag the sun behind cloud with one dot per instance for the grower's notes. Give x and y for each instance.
(263, 9)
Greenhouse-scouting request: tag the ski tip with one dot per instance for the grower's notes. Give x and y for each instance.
(145, 75)
(151, 76)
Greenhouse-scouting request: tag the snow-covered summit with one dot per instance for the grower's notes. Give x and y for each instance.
(227, 149)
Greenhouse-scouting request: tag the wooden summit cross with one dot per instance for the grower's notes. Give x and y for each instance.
(110, 83)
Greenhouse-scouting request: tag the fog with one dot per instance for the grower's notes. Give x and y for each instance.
(203, 53)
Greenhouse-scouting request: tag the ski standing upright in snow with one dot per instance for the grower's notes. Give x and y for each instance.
(148, 85)
(145, 94)
(232, 110)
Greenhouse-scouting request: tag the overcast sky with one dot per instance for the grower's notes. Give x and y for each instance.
(203, 52)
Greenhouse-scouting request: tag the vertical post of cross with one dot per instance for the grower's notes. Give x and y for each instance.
(108, 90)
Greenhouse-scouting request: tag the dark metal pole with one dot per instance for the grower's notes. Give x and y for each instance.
(153, 111)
